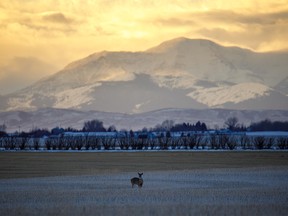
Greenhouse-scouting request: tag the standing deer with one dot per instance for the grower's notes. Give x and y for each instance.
(138, 181)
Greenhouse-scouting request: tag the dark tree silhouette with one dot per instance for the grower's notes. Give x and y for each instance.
(232, 123)
(267, 125)
(94, 126)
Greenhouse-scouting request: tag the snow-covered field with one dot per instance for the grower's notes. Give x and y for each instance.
(245, 191)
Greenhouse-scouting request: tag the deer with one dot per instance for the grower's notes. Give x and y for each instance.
(137, 181)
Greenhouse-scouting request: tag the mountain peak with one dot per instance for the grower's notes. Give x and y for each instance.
(89, 58)
(181, 43)
(184, 73)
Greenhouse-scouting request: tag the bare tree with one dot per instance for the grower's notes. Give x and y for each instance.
(167, 125)
(48, 143)
(223, 140)
(36, 143)
(244, 141)
(270, 142)
(123, 141)
(95, 143)
(232, 123)
(175, 142)
(23, 143)
(152, 143)
(194, 140)
(164, 142)
(10, 142)
(214, 141)
(282, 142)
(183, 141)
(108, 143)
(259, 142)
(3, 127)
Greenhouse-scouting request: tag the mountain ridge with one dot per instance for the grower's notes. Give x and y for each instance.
(182, 72)
(48, 118)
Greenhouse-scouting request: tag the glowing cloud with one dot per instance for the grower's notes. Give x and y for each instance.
(61, 31)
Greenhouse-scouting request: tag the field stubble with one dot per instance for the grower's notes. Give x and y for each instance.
(198, 184)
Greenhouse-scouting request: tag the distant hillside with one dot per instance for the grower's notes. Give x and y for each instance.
(50, 118)
(180, 73)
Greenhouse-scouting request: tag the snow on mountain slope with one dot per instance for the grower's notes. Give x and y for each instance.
(75, 97)
(210, 61)
(218, 96)
(283, 86)
(20, 103)
(182, 73)
(203, 59)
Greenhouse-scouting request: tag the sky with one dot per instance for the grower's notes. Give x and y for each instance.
(40, 37)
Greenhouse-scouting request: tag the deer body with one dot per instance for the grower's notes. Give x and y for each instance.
(137, 181)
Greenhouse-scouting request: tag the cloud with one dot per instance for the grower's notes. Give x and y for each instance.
(96, 20)
(232, 17)
(56, 17)
(175, 22)
(21, 72)
(59, 32)
(260, 32)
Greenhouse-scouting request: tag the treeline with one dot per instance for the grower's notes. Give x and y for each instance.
(164, 141)
(98, 126)
(165, 136)
(268, 125)
(169, 125)
(231, 124)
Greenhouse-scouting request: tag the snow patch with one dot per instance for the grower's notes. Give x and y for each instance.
(137, 108)
(20, 103)
(75, 97)
(117, 74)
(237, 93)
(268, 133)
(174, 79)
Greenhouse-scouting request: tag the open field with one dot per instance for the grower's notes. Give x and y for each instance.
(40, 164)
(175, 183)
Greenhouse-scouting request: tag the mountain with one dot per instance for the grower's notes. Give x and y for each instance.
(50, 118)
(283, 86)
(180, 73)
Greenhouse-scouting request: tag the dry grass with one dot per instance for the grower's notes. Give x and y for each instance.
(40, 164)
(175, 183)
(236, 191)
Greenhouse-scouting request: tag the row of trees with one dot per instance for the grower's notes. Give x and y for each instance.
(268, 125)
(232, 124)
(190, 141)
(98, 126)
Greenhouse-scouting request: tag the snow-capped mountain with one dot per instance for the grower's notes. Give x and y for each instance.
(180, 73)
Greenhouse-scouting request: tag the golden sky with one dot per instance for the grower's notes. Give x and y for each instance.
(39, 37)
